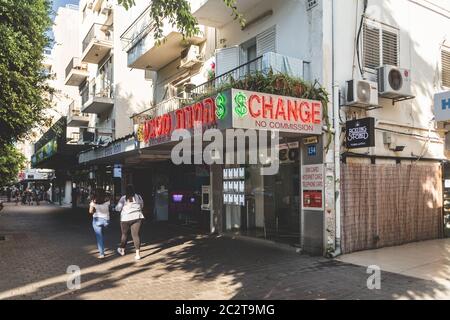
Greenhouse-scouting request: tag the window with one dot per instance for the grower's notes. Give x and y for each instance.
(445, 55)
(380, 45)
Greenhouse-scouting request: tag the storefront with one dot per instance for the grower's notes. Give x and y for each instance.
(248, 190)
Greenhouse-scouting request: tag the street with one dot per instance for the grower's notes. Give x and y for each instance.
(40, 243)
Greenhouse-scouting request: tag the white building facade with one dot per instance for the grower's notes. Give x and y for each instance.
(381, 154)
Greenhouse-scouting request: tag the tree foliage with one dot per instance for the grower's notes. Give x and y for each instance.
(178, 13)
(11, 162)
(24, 93)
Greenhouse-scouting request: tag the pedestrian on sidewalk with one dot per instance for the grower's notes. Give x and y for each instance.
(99, 208)
(130, 207)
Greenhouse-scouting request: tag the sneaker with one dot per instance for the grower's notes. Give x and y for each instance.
(121, 251)
(137, 257)
(102, 256)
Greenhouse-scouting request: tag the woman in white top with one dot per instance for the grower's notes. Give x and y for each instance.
(99, 208)
(130, 207)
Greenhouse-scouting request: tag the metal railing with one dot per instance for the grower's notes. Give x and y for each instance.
(99, 32)
(166, 106)
(97, 88)
(74, 111)
(137, 30)
(238, 73)
(76, 63)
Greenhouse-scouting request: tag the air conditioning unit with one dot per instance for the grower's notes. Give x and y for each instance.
(361, 93)
(394, 82)
(190, 56)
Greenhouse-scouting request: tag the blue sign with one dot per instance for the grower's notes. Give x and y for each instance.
(312, 151)
(442, 106)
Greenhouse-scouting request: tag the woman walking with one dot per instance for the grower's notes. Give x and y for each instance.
(99, 208)
(130, 207)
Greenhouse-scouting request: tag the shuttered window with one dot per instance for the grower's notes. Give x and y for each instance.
(380, 45)
(266, 41)
(446, 67)
(227, 59)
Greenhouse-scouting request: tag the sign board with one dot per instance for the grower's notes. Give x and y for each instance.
(261, 111)
(310, 140)
(117, 171)
(360, 133)
(442, 106)
(236, 109)
(312, 181)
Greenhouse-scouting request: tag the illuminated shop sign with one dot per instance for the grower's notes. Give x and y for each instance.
(161, 127)
(238, 109)
(261, 111)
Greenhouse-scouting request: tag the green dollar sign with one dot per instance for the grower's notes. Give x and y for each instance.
(221, 106)
(241, 105)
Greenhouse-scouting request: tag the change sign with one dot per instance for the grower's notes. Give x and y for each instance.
(360, 133)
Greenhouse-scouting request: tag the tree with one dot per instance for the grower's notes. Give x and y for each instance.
(12, 161)
(178, 13)
(24, 92)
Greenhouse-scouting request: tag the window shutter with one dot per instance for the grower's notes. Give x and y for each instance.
(266, 41)
(446, 68)
(390, 48)
(227, 59)
(371, 46)
(380, 45)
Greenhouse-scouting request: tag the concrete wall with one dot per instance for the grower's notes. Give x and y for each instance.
(423, 30)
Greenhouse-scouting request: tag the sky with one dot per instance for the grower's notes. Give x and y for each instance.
(61, 3)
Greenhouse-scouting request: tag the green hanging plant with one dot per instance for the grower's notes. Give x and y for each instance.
(277, 84)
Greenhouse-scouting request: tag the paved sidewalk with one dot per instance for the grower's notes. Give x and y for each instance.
(428, 260)
(41, 242)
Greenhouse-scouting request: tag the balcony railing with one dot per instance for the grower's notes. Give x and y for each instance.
(76, 63)
(161, 108)
(97, 88)
(252, 67)
(99, 32)
(137, 30)
(74, 111)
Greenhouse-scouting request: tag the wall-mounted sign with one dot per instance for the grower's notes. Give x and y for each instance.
(312, 151)
(442, 106)
(360, 133)
(312, 181)
(261, 111)
(238, 109)
(310, 140)
(45, 152)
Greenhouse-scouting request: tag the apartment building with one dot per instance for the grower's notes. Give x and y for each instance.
(57, 147)
(375, 162)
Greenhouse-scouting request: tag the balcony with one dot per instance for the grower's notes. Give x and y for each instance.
(274, 62)
(76, 72)
(214, 13)
(97, 44)
(75, 118)
(161, 108)
(143, 51)
(97, 97)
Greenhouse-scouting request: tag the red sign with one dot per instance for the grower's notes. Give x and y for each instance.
(312, 199)
(262, 111)
(203, 112)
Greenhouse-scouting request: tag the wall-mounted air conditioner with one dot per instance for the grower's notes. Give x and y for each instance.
(394, 82)
(190, 56)
(361, 93)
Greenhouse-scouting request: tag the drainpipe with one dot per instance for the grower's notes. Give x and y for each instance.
(337, 141)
